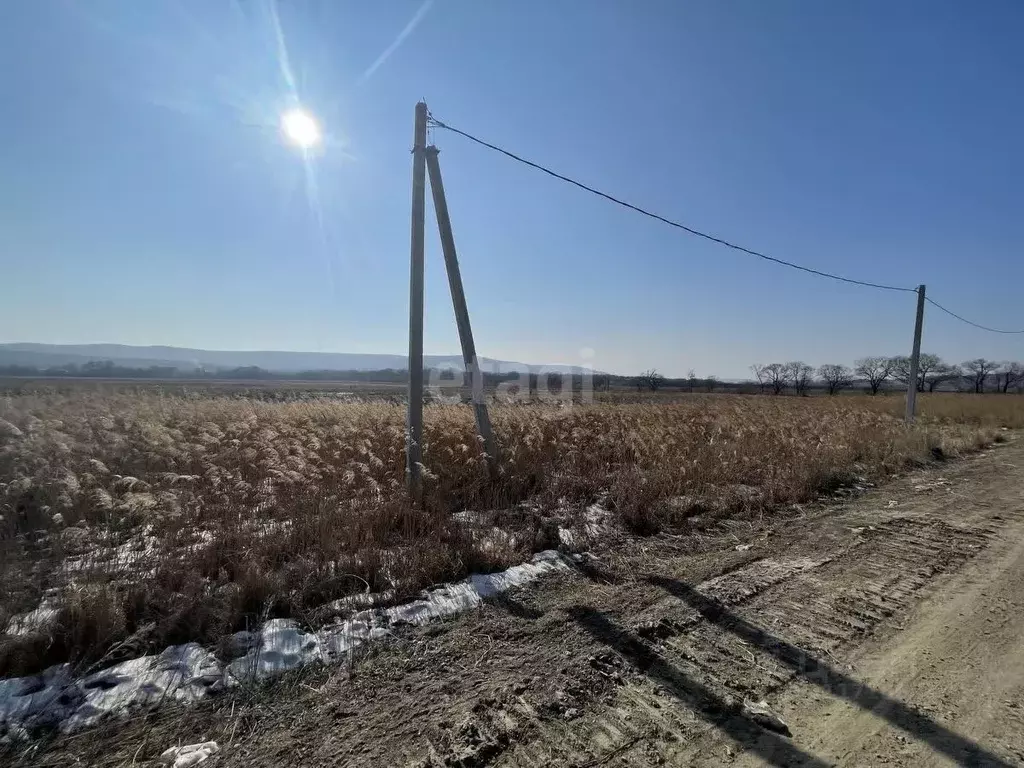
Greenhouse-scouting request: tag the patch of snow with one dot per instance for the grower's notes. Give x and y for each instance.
(38, 701)
(566, 538)
(139, 548)
(189, 755)
(489, 537)
(597, 522)
(187, 673)
(469, 517)
(497, 540)
(452, 599)
(182, 673)
(345, 606)
(280, 647)
(339, 640)
(284, 646)
(35, 620)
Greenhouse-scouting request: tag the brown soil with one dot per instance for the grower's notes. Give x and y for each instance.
(888, 630)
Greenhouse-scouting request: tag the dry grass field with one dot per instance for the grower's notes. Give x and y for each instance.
(133, 520)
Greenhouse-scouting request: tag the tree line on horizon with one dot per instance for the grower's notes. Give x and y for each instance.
(978, 375)
(871, 373)
(875, 374)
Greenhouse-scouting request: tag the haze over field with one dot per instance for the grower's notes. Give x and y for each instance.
(55, 355)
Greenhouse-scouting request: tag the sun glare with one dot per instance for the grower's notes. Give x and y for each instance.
(300, 128)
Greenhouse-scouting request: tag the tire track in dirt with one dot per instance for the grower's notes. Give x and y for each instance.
(826, 603)
(685, 678)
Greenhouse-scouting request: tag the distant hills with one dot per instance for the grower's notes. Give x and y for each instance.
(184, 360)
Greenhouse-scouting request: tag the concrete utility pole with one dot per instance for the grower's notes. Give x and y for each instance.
(451, 263)
(414, 422)
(915, 357)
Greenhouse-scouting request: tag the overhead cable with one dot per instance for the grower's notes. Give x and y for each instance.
(618, 201)
(670, 222)
(965, 320)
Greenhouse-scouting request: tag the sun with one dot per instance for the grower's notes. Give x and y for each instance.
(301, 128)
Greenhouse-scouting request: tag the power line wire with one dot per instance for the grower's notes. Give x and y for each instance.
(965, 320)
(440, 124)
(670, 222)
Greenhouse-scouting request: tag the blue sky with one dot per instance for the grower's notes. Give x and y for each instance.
(147, 197)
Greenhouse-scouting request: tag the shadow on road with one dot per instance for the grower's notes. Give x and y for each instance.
(958, 748)
(772, 747)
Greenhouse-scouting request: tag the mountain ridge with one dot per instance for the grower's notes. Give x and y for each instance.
(190, 359)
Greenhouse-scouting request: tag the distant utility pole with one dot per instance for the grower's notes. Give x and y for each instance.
(915, 357)
(414, 422)
(451, 263)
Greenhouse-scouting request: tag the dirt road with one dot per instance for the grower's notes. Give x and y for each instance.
(950, 680)
(885, 630)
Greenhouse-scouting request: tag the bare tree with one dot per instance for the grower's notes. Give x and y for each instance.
(710, 382)
(927, 363)
(649, 379)
(775, 376)
(836, 377)
(800, 375)
(875, 370)
(900, 368)
(1009, 374)
(978, 371)
(927, 366)
(941, 374)
(758, 370)
(691, 379)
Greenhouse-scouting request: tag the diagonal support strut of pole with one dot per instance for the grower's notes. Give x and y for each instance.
(451, 263)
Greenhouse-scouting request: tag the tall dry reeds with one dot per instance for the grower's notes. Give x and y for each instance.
(144, 520)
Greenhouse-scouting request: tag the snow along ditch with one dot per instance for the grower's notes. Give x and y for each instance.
(55, 698)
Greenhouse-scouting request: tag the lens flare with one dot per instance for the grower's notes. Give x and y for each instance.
(301, 128)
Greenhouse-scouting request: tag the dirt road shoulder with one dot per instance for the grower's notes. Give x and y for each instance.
(946, 688)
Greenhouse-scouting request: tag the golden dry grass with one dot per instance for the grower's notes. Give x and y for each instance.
(951, 408)
(148, 520)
